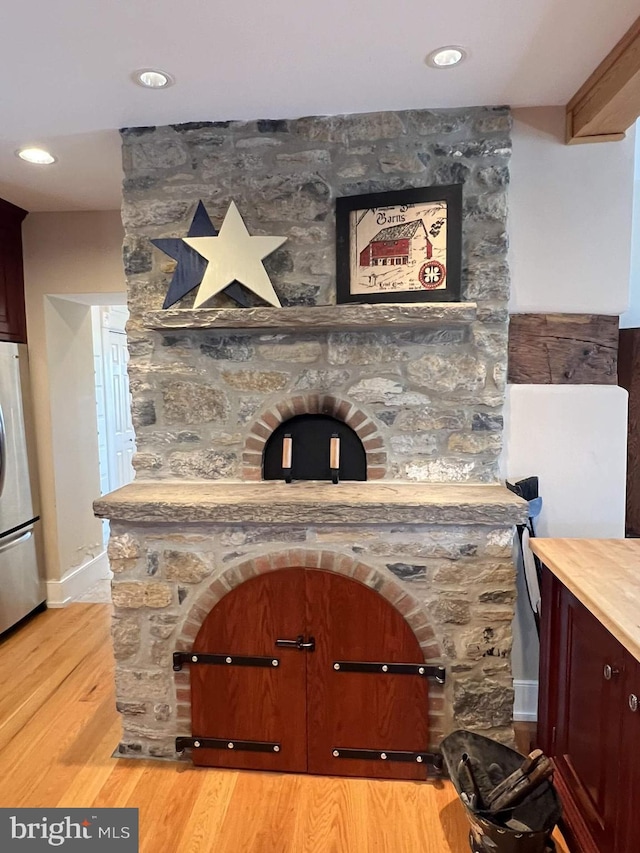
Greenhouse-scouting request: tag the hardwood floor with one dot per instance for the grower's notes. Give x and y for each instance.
(59, 727)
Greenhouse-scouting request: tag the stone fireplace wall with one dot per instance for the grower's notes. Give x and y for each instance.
(454, 584)
(426, 401)
(419, 399)
(433, 396)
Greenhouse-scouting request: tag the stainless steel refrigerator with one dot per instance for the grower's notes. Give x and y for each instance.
(22, 587)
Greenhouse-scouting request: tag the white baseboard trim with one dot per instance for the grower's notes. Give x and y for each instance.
(525, 707)
(77, 581)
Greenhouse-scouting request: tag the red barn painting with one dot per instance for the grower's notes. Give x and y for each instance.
(398, 244)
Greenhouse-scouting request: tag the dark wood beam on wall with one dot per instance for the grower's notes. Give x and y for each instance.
(609, 102)
(563, 349)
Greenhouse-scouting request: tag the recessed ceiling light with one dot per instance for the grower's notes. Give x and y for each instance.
(36, 155)
(151, 78)
(446, 57)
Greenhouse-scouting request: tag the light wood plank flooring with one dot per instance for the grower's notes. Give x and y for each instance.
(59, 727)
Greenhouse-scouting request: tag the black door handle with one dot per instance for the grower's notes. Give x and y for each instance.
(290, 644)
(299, 643)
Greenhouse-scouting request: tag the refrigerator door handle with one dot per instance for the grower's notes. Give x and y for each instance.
(16, 539)
(3, 452)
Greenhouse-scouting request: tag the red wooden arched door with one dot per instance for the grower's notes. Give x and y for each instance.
(291, 677)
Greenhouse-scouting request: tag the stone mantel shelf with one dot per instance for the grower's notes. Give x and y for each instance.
(332, 317)
(313, 502)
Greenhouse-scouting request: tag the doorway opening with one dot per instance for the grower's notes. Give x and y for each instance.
(86, 396)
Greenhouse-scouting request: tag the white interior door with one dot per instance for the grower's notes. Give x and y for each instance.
(101, 414)
(120, 434)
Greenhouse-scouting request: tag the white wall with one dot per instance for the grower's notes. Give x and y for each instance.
(570, 218)
(574, 438)
(570, 240)
(570, 209)
(631, 318)
(67, 255)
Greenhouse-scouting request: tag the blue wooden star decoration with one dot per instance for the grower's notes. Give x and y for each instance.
(191, 265)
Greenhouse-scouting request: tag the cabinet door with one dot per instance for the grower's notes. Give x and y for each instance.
(587, 738)
(319, 715)
(629, 721)
(248, 699)
(377, 712)
(12, 313)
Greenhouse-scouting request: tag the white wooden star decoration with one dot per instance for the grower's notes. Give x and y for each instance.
(234, 255)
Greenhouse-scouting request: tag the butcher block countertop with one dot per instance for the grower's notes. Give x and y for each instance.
(604, 574)
(377, 501)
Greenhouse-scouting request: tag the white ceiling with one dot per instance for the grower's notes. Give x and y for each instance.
(67, 65)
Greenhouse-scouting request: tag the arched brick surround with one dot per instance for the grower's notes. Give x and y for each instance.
(333, 561)
(313, 404)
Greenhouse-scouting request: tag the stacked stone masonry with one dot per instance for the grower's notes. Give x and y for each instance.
(427, 402)
(454, 585)
(433, 395)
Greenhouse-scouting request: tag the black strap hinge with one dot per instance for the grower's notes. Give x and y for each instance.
(431, 759)
(183, 743)
(437, 672)
(180, 658)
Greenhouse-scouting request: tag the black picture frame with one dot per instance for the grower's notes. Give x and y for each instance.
(412, 251)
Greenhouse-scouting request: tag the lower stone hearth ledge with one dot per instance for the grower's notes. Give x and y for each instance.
(318, 502)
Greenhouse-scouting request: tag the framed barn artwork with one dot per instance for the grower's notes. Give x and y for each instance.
(401, 246)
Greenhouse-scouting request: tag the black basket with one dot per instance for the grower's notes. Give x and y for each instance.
(525, 828)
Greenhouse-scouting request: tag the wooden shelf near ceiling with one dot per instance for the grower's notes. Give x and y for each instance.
(609, 101)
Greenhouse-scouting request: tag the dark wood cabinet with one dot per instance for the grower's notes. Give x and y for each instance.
(589, 722)
(630, 764)
(629, 379)
(13, 325)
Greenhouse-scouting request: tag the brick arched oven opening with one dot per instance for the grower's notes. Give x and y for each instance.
(325, 404)
(409, 608)
(306, 443)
